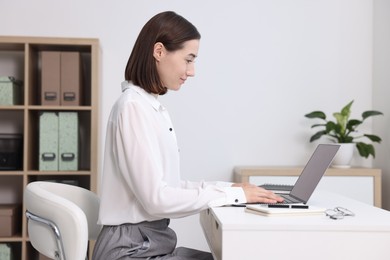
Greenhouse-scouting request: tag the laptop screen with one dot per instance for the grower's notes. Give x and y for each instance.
(313, 171)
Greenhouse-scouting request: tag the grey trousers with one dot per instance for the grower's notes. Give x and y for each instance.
(145, 240)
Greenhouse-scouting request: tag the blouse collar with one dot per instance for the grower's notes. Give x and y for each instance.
(151, 98)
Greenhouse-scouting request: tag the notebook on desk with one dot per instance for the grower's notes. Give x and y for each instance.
(311, 174)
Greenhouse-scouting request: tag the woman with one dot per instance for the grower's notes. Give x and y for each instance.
(141, 187)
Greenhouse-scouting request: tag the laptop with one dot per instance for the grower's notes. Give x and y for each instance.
(311, 174)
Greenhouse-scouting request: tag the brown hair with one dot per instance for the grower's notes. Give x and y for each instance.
(169, 28)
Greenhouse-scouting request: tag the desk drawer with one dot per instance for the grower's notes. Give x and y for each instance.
(213, 232)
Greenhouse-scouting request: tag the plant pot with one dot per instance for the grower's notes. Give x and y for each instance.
(344, 156)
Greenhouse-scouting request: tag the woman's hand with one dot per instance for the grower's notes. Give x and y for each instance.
(255, 194)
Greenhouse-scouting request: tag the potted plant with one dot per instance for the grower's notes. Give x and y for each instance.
(344, 130)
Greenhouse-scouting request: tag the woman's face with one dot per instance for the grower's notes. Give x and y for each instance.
(175, 67)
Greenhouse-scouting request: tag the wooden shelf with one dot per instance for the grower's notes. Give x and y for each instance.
(20, 58)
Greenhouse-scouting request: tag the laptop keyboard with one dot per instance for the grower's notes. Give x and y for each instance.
(288, 199)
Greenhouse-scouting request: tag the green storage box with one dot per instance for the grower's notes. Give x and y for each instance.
(10, 91)
(48, 141)
(5, 252)
(68, 141)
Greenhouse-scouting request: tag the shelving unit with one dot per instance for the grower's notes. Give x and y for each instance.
(19, 57)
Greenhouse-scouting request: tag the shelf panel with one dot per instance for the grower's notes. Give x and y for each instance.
(81, 180)
(36, 107)
(61, 108)
(11, 173)
(16, 238)
(16, 107)
(56, 173)
(10, 46)
(18, 42)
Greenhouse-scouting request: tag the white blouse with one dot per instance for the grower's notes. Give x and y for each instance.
(141, 172)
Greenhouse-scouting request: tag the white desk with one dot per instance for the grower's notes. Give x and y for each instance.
(234, 234)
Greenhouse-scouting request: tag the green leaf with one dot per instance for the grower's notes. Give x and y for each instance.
(351, 125)
(365, 150)
(341, 121)
(346, 111)
(371, 113)
(334, 130)
(339, 117)
(317, 135)
(373, 138)
(316, 125)
(331, 126)
(347, 139)
(316, 114)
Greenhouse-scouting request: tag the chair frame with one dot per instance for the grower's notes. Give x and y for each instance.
(60, 255)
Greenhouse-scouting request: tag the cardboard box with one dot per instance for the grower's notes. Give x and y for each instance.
(9, 216)
(48, 141)
(61, 78)
(68, 141)
(11, 91)
(70, 79)
(50, 78)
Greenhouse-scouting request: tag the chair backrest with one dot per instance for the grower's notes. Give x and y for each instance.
(74, 210)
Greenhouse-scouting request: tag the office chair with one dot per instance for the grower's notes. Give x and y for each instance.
(61, 219)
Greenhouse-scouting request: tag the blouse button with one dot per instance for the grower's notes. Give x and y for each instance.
(236, 201)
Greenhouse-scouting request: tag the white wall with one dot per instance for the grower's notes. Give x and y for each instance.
(382, 90)
(262, 65)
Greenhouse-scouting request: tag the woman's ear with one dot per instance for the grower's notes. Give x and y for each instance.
(158, 50)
